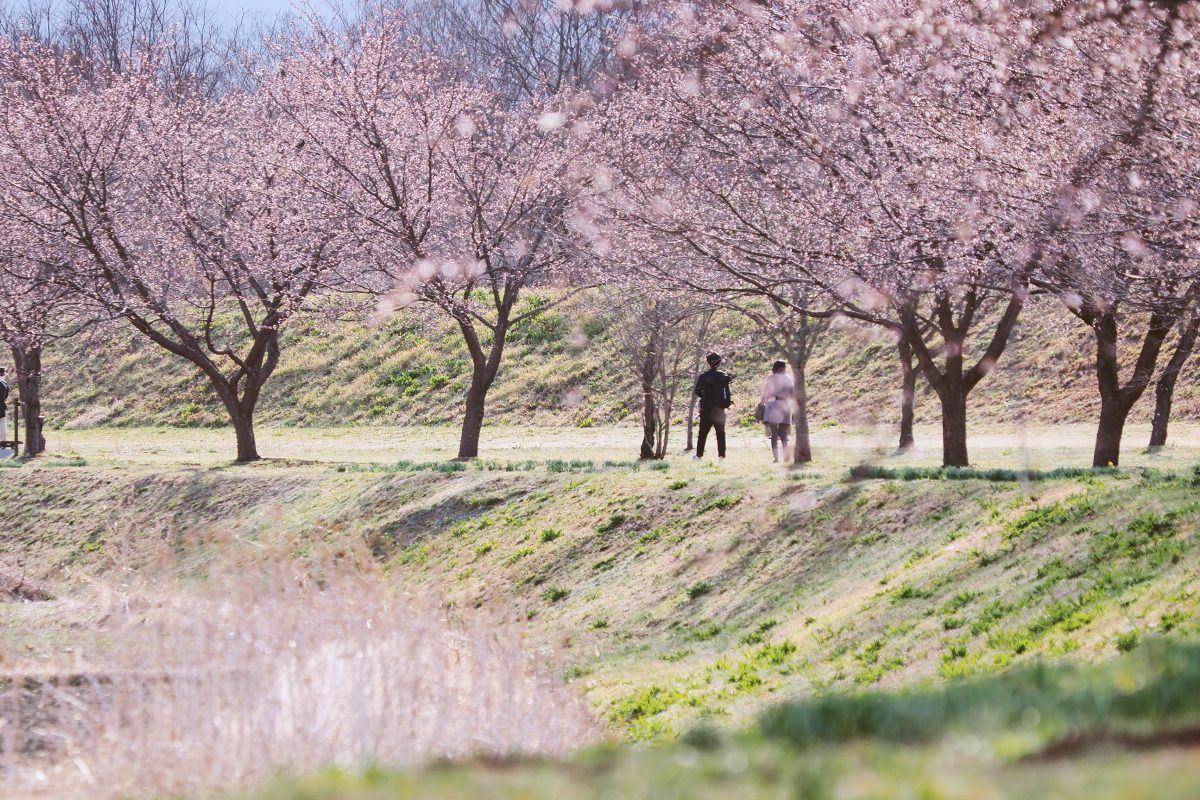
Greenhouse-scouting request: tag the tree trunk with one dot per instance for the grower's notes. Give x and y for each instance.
(247, 447)
(241, 416)
(1117, 400)
(649, 421)
(648, 372)
(484, 367)
(1164, 391)
(802, 453)
(908, 380)
(468, 440)
(29, 383)
(664, 430)
(1108, 435)
(954, 427)
(691, 415)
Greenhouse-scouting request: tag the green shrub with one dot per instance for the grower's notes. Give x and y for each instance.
(550, 534)
(698, 589)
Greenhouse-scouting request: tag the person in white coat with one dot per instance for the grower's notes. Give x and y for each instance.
(778, 397)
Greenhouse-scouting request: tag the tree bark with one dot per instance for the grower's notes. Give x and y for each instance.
(29, 384)
(247, 446)
(1113, 413)
(1164, 390)
(1116, 400)
(954, 427)
(649, 413)
(908, 393)
(241, 416)
(952, 382)
(691, 415)
(484, 366)
(798, 355)
(472, 427)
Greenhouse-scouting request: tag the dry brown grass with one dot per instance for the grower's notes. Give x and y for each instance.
(196, 685)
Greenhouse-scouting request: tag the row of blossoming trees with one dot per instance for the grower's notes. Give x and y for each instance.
(921, 167)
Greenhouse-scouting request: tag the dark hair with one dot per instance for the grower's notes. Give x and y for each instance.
(713, 359)
(779, 366)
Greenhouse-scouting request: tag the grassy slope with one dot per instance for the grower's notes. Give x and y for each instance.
(680, 594)
(1029, 733)
(558, 369)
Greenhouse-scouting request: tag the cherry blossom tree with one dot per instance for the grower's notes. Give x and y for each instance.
(186, 217)
(456, 191)
(655, 337)
(860, 155)
(33, 310)
(1122, 240)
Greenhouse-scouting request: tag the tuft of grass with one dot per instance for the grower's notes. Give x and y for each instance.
(555, 593)
(519, 554)
(698, 589)
(908, 591)
(65, 462)
(706, 632)
(722, 502)
(757, 635)
(615, 521)
(550, 534)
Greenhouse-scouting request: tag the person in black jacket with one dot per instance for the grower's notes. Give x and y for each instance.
(712, 387)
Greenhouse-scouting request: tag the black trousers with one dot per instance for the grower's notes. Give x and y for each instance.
(711, 419)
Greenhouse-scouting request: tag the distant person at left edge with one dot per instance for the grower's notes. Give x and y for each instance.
(712, 387)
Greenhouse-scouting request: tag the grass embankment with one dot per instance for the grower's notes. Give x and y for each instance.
(675, 593)
(559, 369)
(1125, 729)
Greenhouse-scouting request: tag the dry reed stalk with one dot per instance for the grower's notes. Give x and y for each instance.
(214, 684)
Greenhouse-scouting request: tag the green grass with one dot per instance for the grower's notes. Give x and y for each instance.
(1038, 731)
(995, 474)
(1159, 685)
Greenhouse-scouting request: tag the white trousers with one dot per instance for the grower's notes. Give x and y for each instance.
(3, 429)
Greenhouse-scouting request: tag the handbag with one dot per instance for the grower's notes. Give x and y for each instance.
(760, 412)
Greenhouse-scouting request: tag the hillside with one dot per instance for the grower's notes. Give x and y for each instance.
(559, 369)
(671, 595)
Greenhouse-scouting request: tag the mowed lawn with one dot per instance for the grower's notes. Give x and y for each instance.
(835, 449)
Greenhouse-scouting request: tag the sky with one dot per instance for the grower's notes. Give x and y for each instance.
(231, 9)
